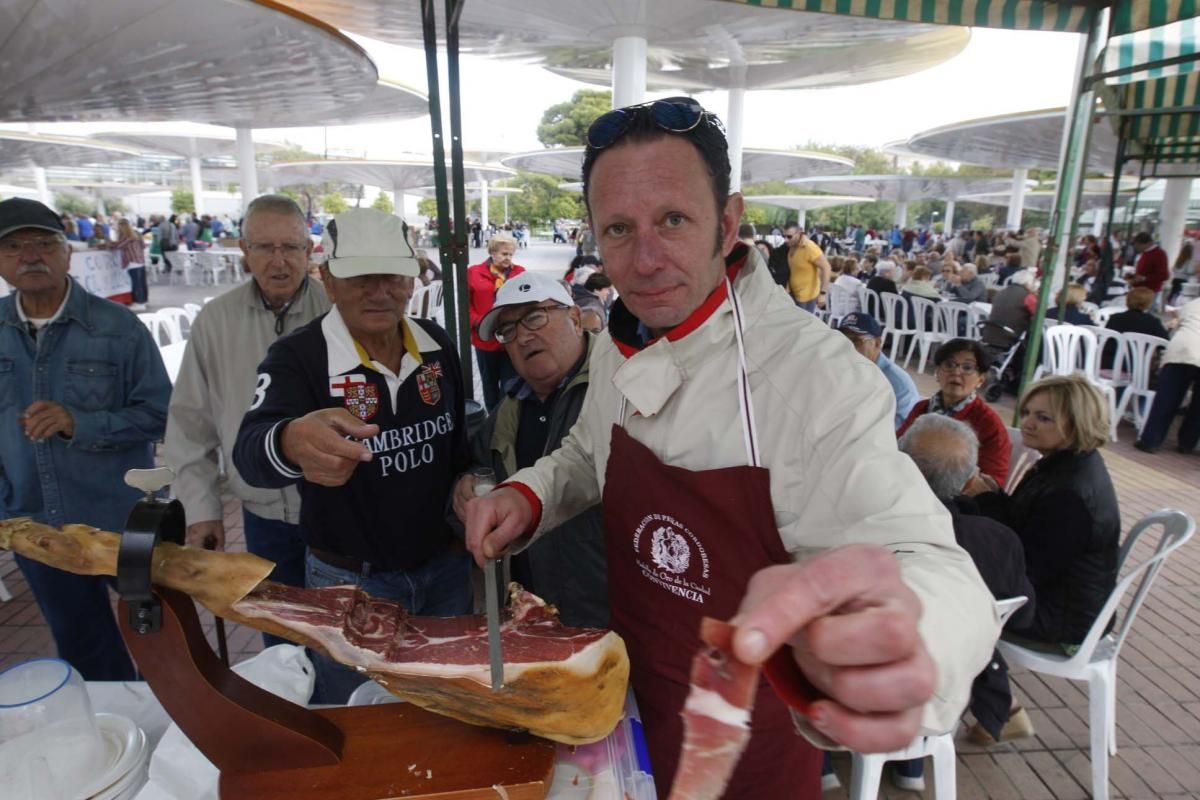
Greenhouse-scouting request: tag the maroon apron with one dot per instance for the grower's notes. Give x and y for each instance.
(682, 545)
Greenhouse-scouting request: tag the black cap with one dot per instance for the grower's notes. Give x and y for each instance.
(18, 212)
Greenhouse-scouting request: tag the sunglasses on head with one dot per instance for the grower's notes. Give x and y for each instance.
(674, 115)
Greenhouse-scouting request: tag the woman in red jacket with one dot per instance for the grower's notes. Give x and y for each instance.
(483, 281)
(961, 372)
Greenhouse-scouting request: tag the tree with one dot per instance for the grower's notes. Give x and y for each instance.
(182, 200)
(116, 205)
(66, 202)
(383, 202)
(334, 203)
(566, 124)
(427, 207)
(541, 200)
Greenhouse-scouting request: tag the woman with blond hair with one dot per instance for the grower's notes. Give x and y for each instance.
(1069, 311)
(132, 252)
(1065, 512)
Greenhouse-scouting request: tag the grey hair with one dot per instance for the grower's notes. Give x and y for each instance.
(946, 469)
(1023, 277)
(970, 268)
(886, 267)
(274, 204)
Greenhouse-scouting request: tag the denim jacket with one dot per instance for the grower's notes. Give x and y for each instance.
(100, 362)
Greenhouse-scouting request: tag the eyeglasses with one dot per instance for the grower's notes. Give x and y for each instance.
(265, 250)
(13, 247)
(674, 115)
(966, 369)
(535, 320)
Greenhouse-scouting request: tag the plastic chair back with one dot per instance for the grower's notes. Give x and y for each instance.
(1009, 606)
(925, 316)
(416, 305)
(841, 303)
(1069, 348)
(176, 323)
(192, 310)
(1139, 354)
(872, 304)
(957, 319)
(1115, 373)
(1020, 459)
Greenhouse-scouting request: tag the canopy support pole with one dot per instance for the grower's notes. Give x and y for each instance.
(483, 202)
(901, 217)
(1173, 215)
(1071, 171)
(1016, 200)
(948, 223)
(735, 125)
(43, 185)
(628, 71)
(247, 173)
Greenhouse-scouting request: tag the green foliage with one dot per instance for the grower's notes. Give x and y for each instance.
(566, 124)
(66, 202)
(427, 207)
(867, 160)
(984, 223)
(116, 205)
(383, 202)
(182, 200)
(231, 187)
(291, 152)
(333, 203)
(541, 200)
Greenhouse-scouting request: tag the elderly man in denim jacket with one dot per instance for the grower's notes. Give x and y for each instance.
(83, 398)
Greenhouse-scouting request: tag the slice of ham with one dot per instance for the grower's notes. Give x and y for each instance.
(716, 716)
(565, 684)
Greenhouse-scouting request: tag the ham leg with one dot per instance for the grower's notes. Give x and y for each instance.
(565, 684)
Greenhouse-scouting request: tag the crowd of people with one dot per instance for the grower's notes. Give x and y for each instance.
(672, 438)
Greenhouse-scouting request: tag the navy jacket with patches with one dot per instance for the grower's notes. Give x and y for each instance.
(391, 511)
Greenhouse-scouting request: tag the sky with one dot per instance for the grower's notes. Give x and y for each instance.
(999, 72)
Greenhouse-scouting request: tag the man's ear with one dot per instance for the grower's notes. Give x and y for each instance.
(731, 217)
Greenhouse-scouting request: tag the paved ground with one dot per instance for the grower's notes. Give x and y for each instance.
(1158, 715)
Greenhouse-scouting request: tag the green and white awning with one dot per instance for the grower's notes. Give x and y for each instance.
(1023, 15)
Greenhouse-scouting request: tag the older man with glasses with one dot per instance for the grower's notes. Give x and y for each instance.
(363, 410)
(728, 438)
(83, 398)
(228, 340)
(543, 334)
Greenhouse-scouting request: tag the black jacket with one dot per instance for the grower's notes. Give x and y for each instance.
(777, 265)
(1065, 512)
(998, 555)
(882, 285)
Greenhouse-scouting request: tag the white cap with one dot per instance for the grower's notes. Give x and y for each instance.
(365, 241)
(528, 287)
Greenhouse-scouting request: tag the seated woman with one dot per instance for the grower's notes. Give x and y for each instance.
(921, 284)
(1068, 311)
(961, 373)
(1066, 515)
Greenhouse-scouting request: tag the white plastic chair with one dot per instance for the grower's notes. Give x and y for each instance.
(1096, 659)
(175, 323)
(872, 304)
(169, 329)
(1139, 356)
(1108, 380)
(897, 325)
(436, 309)
(866, 769)
(1020, 459)
(210, 265)
(929, 330)
(989, 279)
(1066, 349)
(182, 265)
(841, 303)
(958, 316)
(1101, 315)
(192, 310)
(419, 302)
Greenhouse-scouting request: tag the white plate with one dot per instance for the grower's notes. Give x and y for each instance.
(124, 747)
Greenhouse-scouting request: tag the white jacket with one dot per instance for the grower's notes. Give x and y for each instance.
(228, 340)
(825, 429)
(1184, 347)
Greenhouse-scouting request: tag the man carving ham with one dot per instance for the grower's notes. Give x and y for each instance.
(717, 404)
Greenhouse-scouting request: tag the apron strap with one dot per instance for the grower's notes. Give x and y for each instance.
(745, 402)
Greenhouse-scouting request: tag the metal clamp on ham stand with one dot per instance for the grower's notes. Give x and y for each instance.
(267, 748)
(152, 520)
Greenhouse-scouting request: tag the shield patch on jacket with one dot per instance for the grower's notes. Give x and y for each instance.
(427, 383)
(362, 400)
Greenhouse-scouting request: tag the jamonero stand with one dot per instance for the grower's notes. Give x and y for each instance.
(268, 748)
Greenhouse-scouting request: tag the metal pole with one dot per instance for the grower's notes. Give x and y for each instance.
(1071, 172)
(629, 71)
(459, 250)
(450, 276)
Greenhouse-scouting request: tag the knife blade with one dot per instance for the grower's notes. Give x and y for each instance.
(492, 589)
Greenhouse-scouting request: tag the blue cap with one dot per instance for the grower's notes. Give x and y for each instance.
(861, 323)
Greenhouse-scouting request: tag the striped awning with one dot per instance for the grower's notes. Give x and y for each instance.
(1153, 47)
(1023, 15)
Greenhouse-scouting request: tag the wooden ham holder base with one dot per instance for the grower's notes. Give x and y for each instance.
(268, 748)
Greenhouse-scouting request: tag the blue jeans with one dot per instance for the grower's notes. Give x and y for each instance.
(137, 277)
(441, 587)
(76, 607)
(281, 542)
(1173, 383)
(808, 305)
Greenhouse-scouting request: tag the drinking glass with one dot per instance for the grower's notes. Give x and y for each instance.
(50, 746)
(485, 480)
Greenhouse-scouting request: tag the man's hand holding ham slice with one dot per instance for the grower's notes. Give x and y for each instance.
(851, 624)
(847, 616)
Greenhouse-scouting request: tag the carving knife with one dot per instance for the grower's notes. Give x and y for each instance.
(491, 582)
